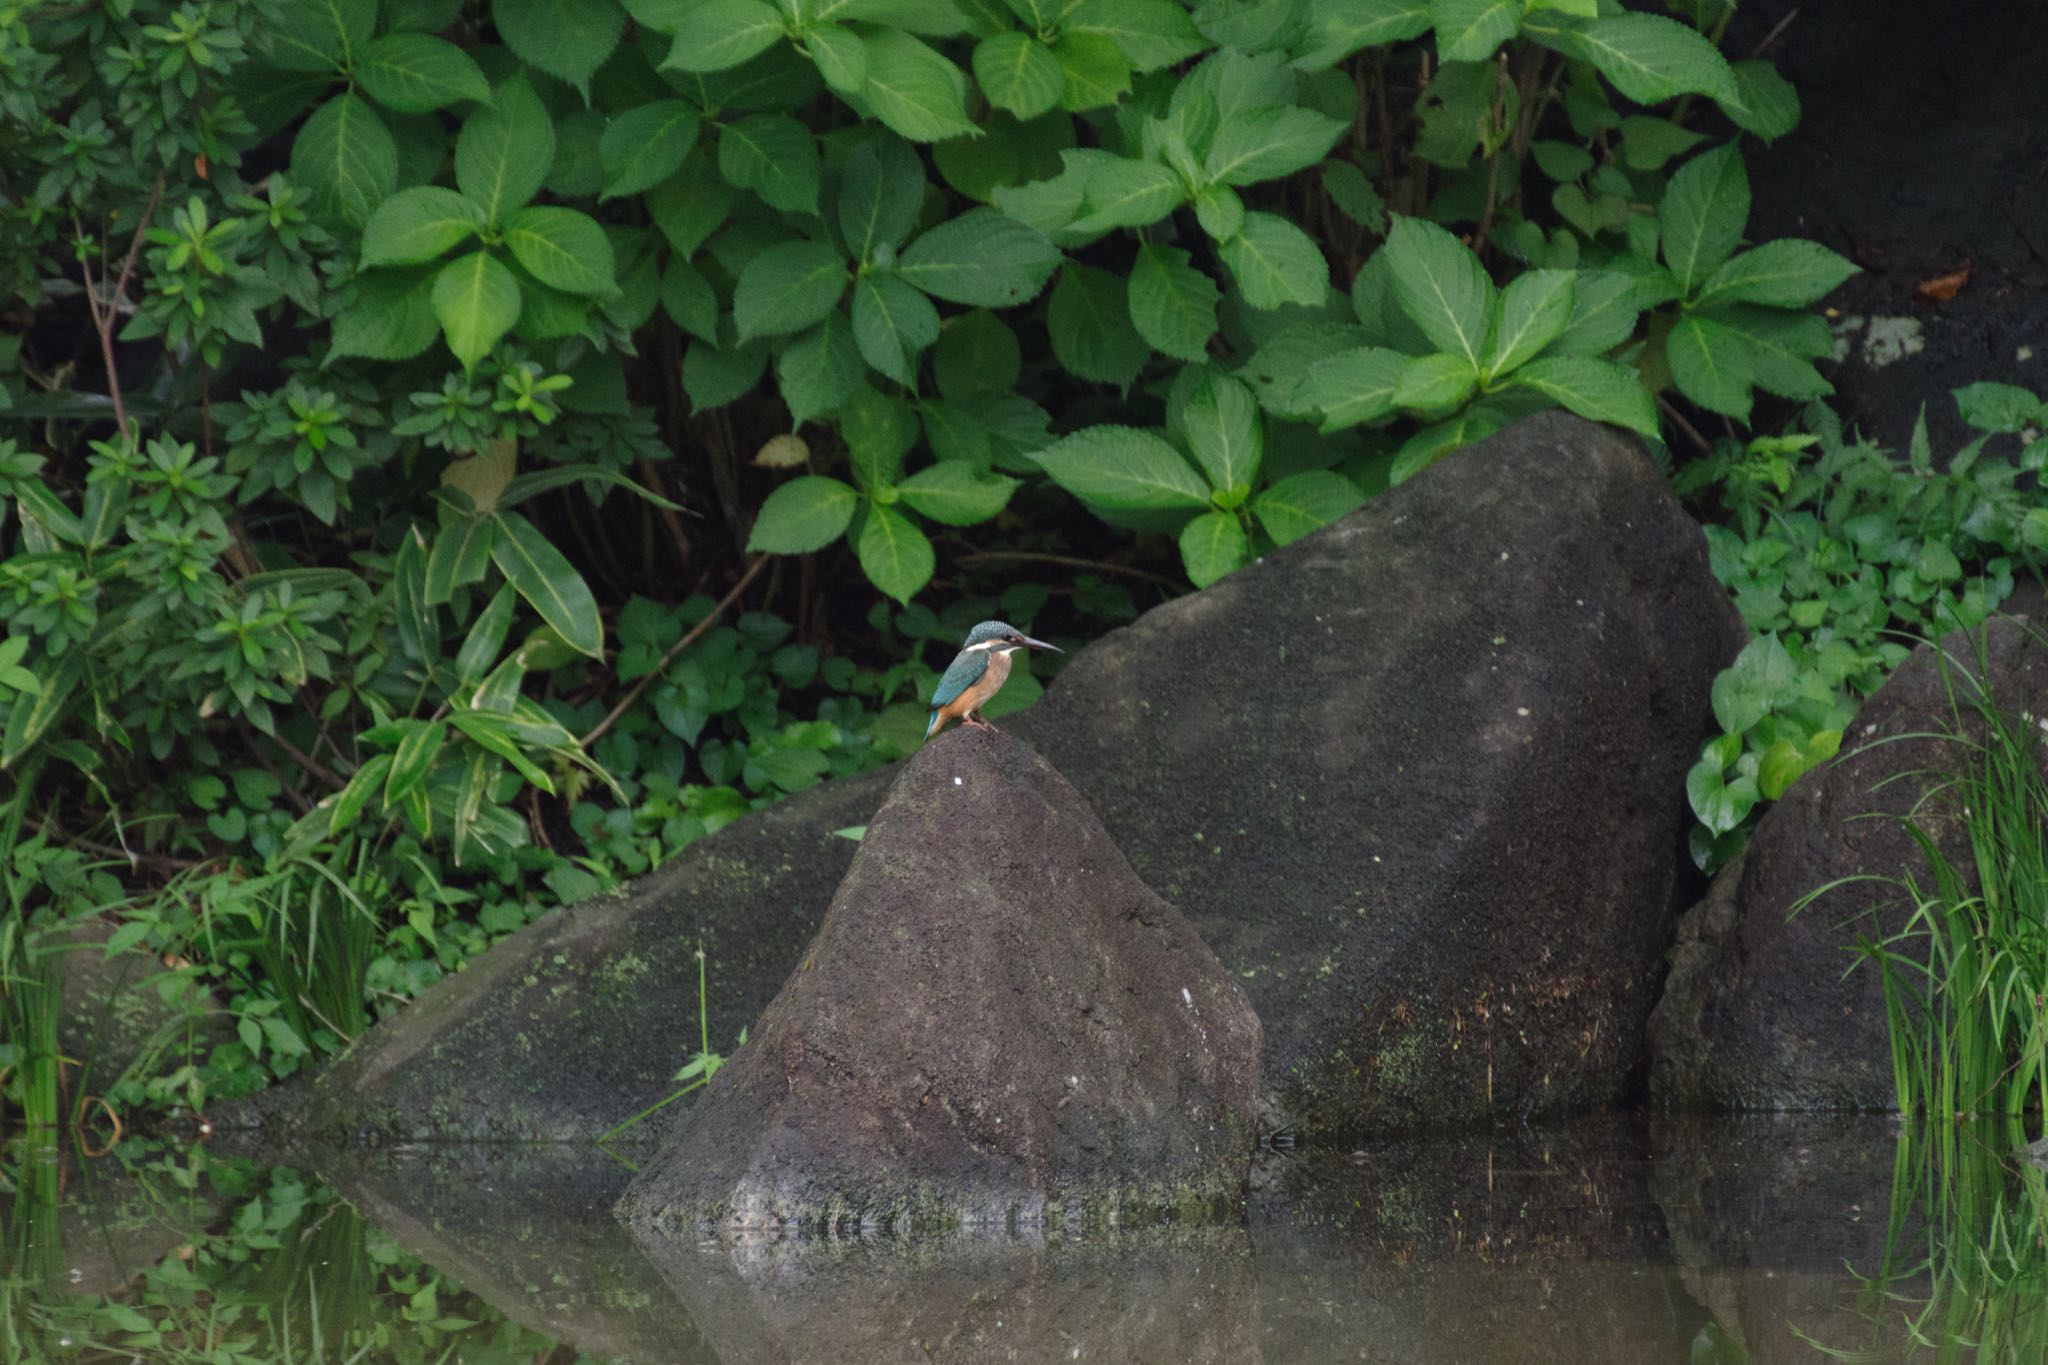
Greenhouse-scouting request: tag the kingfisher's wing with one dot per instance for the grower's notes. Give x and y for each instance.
(965, 671)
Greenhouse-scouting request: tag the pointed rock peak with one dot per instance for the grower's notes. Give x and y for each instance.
(997, 1023)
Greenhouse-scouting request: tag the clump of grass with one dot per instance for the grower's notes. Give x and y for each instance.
(1966, 976)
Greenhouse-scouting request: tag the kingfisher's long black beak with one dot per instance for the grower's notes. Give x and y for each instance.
(1040, 644)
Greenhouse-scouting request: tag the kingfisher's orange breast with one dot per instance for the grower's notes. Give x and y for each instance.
(977, 693)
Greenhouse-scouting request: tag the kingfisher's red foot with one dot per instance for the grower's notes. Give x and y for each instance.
(978, 723)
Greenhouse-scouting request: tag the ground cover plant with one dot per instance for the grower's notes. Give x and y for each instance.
(454, 454)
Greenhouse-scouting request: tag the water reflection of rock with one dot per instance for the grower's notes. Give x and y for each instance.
(530, 1231)
(1774, 1217)
(1159, 1294)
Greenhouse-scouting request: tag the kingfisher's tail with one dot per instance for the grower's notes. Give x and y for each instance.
(933, 727)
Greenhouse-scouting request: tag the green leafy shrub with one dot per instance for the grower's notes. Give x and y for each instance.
(1841, 557)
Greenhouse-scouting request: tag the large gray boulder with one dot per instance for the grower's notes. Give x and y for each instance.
(1761, 1010)
(997, 1024)
(1417, 779)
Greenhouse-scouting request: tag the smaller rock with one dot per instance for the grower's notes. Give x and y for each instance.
(997, 1023)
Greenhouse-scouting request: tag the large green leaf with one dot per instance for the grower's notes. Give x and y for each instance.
(391, 317)
(952, 493)
(1598, 390)
(983, 257)
(1305, 502)
(1089, 322)
(1338, 28)
(881, 191)
(1269, 143)
(1226, 436)
(1788, 273)
(1769, 105)
(690, 207)
(717, 34)
(1275, 263)
(562, 248)
(1123, 469)
(1605, 305)
(346, 157)
(1702, 214)
(1472, 30)
(418, 225)
(1781, 348)
(1441, 287)
(892, 324)
(477, 300)
(503, 152)
(568, 39)
(1534, 309)
(774, 156)
(893, 553)
(1149, 33)
(1353, 385)
(548, 582)
(1648, 57)
(913, 89)
(787, 288)
(315, 35)
(1122, 192)
(1095, 71)
(1435, 383)
(645, 146)
(1173, 305)
(416, 73)
(1213, 545)
(1710, 363)
(805, 514)
(1018, 73)
(976, 353)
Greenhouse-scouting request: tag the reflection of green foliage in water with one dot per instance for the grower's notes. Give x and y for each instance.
(277, 1269)
(1965, 1269)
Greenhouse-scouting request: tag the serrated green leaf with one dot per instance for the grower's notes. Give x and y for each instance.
(346, 158)
(1225, 435)
(976, 353)
(803, 515)
(881, 191)
(1275, 263)
(1647, 143)
(1305, 502)
(1211, 546)
(1122, 192)
(1767, 104)
(1124, 470)
(892, 324)
(719, 34)
(1710, 363)
(1434, 383)
(1267, 144)
(1019, 73)
(1787, 273)
(956, 495)
(1173, 305)
(645, 146)
(1441, 287)
(1148, 33)
(1605, 305)
(549, 583)
(562, 248)
(774, 156)
(568, 39)
(418, 225)
(1354, 386)
(893, 553)
(1094, 71)
(503, 152)
(1338, 28)
(1781, 347)
(1648, 57)
(1597, 390)
(1534, 309)
(787, 288)
(1089, 322)
(416, 73)
(391, 317)
(1702, 214)
(477, 301)
(840, 56)
(983, 258)
(690, 207)
(315, 35)
(914, 90)
(1471, 30)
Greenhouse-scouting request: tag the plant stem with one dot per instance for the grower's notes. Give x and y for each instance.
(695, 634)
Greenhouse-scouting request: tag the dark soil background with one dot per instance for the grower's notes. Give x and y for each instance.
(1923, 147)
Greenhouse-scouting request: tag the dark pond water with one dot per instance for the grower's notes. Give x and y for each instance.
(1622, 1241)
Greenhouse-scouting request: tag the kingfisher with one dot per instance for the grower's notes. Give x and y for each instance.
(977, 673)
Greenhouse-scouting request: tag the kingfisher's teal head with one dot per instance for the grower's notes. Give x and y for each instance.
(1000, 637)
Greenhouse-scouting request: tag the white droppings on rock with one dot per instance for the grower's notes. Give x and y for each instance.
(956, 782)
(1521, 710)
(1186, 997)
